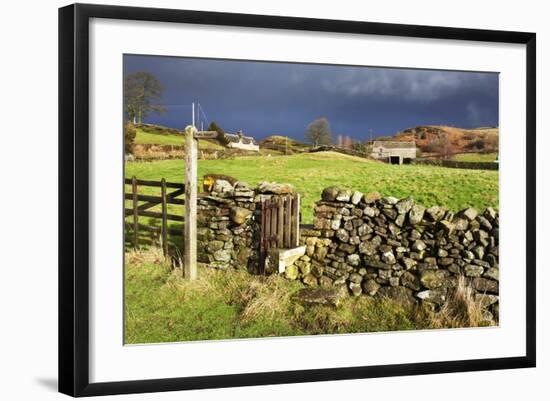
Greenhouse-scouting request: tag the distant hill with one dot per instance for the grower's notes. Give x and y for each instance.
(283, 144)
(151, 134)
(433, 139)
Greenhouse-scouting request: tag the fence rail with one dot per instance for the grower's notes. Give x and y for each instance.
(142, 210)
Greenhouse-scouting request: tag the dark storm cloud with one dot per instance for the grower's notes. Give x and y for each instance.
(264, 98)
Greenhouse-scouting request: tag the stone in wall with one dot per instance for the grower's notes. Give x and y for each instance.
(226, 226)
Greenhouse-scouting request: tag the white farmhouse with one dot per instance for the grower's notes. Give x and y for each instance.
(240, 141)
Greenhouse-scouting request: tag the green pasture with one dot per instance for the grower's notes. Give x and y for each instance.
(475, 157)
(310, 173)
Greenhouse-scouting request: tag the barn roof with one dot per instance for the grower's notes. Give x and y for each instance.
(395, 144)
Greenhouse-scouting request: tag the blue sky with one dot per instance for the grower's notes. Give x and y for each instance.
(267, 98)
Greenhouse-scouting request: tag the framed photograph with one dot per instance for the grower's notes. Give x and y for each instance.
(251, 199)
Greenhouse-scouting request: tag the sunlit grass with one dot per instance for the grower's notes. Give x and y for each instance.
(310, 173)
(475, 157)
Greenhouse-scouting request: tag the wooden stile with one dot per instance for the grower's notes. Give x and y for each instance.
(280, 219)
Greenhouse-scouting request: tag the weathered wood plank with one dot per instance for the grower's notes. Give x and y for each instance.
(190, 226)
(273, 223)
(295, 220)
(149, 183)
(135, 208)
(154, 199)
(157, 215)
(205, 134)
(174, 194)
(170, 198)
(262, 238)
(288, 222)
(267, 225)
(141, 197)
(280, 222)
(164, 232)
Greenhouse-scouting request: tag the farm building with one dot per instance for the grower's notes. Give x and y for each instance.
(395, 152)
(240, 141)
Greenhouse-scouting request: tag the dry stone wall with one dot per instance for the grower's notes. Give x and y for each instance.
(384, 246)
(228, 223)
(371, 245)
(457, 164)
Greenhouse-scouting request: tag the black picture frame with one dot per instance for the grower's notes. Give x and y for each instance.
(74, 199)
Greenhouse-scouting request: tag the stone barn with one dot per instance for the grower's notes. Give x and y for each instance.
(240, 141)
(394, 152)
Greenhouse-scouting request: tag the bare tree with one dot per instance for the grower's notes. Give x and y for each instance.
(318, 132)
(140, 88)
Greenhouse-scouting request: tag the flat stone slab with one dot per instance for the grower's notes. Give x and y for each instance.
(321, 296)
(279, 259)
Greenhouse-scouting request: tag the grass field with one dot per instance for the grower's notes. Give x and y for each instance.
(145, 138)
(475, 157)
(310, 173)
(160, 306)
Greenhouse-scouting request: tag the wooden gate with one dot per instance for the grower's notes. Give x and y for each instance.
(151, 201)
(280, 224)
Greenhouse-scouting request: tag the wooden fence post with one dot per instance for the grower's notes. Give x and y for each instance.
(164, 230)
(261, 268)
(288, 221)
(296, 220)
(280, 222)
(136, 216)
(190, 223)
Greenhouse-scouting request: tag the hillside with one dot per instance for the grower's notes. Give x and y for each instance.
(283, 144)
(148, 134)
(433, 139)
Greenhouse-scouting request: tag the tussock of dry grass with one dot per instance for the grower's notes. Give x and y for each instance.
(459, 310)
(162, 306)
(152, 255)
